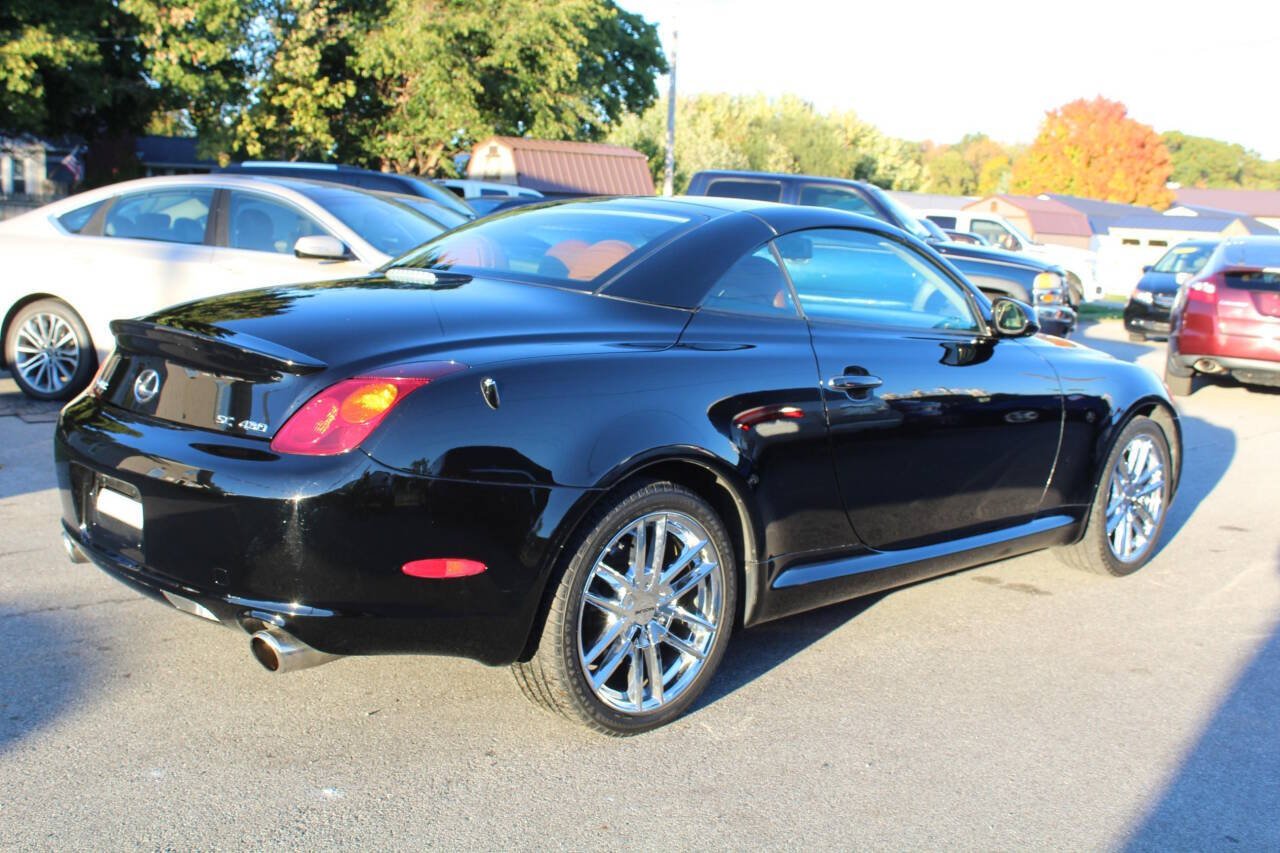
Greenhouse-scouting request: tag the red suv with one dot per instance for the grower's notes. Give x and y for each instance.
(1226, 320)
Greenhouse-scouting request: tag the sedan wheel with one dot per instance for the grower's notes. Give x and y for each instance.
(1135, 501)
(47, 351)
(651, 607)
(1129, 510)
(641, 616)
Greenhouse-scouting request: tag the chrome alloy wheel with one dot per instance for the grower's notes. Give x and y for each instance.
(651, 609)
(47, 353)
(1135, 499)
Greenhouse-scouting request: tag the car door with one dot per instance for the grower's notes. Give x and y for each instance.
(152, 251)
(255, 247)
(937, 428)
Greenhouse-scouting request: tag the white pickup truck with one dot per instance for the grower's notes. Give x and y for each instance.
(1081, 265)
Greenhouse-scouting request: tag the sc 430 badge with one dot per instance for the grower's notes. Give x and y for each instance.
(246, 425)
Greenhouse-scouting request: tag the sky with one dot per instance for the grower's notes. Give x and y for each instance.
(920, 69)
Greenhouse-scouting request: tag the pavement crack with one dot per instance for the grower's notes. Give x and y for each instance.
(61, 607)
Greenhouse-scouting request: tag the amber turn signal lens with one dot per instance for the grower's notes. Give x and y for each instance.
(368, 401)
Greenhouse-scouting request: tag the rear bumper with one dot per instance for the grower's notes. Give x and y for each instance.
(312, 545)
(1249, 370)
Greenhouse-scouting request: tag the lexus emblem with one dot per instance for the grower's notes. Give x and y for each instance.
(146, 386)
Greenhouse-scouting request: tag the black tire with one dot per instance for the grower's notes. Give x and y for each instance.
(61, 383)
(555, 678)
(1180, 381)
(1094, 552)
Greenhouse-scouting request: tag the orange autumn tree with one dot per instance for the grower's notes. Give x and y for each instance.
(1095, 150)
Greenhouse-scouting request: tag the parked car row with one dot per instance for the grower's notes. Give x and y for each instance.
(1081, 265)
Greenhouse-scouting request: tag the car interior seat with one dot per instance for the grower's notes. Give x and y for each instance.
(253, 230)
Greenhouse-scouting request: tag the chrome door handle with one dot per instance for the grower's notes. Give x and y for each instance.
(853, 382)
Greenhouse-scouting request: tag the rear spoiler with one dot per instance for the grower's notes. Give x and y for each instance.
(213, 348)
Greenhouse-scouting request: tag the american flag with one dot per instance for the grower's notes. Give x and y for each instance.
(73, 165)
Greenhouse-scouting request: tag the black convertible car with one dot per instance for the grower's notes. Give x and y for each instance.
(591, 438)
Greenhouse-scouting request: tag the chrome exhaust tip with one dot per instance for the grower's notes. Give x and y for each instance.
(1208, 365)
(279, 651)
(74, 554)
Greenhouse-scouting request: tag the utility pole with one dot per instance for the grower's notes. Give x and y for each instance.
(670, 167)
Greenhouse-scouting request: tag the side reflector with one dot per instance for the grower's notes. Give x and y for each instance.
(447, 567)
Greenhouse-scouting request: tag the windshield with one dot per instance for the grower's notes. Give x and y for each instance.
(388, 227)
(906, 219)
(1184, 258)
(571, 244)
(934, 230)
(442, 196)
(445, 217)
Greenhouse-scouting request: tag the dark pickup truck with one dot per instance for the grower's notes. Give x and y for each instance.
(993, 271)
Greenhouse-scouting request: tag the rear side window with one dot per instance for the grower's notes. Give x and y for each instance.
(841, 198)
(754, 285)
(170, 216)
(943, 221)
(754, 190)
(75, 220)
(261, 224)
(866, 278)
(572, 245)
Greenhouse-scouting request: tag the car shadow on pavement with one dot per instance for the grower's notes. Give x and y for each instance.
(45, 672)
(1087, 334)
(1207, 453)
(1226, 794)
(755, 651)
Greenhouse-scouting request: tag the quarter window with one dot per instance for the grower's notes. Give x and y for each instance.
(754, 190)
(170, 216)
(75, 220)
(863, 277)
(841, 198)
(260, 224)
(754, 285)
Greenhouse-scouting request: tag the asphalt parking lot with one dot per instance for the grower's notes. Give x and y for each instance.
(1021, 704)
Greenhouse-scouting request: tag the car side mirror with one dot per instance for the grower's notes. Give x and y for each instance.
(1013, 319)
(1147, 268)
(320, 246)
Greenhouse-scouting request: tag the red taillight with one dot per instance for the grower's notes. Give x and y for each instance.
(1202, 290)
(448, 567)
(343, 415)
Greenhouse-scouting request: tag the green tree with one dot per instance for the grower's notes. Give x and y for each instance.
(198, 54)
(785, 134)
(453, 72)
(296, 99)
(949, 173)
(71, 67)
(1202, 162)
